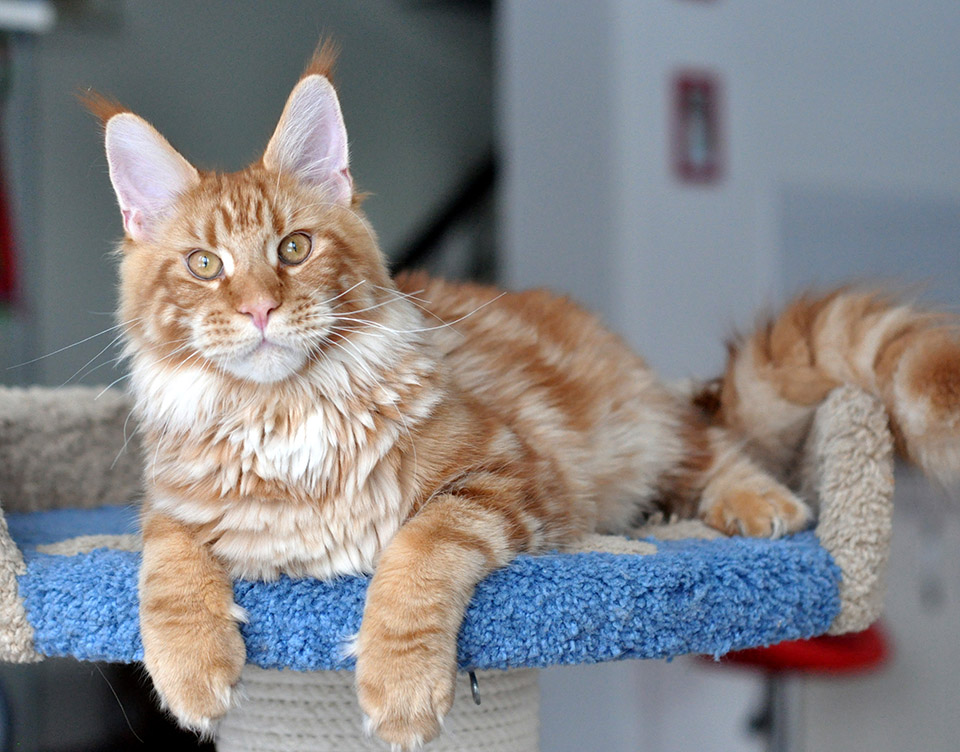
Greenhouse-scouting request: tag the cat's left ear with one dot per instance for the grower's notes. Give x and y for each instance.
(310, 141)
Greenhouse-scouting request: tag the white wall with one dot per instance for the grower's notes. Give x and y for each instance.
(842, 157)
(555, 65)
(818, 95)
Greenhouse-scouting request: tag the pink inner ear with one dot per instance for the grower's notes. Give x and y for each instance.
(128, 220)
(148, 174)
(311, 139)
(134, 225)
(340, 187)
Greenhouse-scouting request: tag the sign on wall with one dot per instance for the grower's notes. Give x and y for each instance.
(697, 151)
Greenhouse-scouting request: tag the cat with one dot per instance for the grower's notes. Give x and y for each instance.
(304, 413)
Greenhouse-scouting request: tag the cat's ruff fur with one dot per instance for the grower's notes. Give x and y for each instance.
(425, 431)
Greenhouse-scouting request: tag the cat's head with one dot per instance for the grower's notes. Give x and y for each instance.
(254, 273)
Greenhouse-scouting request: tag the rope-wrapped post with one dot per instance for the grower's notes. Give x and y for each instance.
(317, 711)
(849, 468)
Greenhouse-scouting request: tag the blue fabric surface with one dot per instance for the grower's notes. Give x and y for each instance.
(691, 597)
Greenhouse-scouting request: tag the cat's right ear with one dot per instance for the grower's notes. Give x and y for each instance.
(148, 174)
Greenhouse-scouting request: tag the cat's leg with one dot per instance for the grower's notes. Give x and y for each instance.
(740, 498)
(407, 646)
(189, 623)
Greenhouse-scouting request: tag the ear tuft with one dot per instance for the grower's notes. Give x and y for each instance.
(323, 61)
(101, 107)
(148, 174)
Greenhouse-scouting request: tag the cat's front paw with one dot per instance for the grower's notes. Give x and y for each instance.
(405, 686)
(762, 513)
(196, 672)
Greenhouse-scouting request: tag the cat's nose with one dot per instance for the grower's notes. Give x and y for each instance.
(258, 310)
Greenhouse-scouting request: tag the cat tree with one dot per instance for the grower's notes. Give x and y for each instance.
(69, 559)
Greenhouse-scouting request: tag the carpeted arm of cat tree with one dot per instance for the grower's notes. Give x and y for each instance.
(67, 449)
(60, 449)
(848, 466)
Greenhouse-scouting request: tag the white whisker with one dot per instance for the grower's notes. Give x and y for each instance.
(336, 297)
(126, 440)
(110, 344)
(458, 320)
(111, 384)
(80, 342)
(347, 330)
(369, 308)
(447, 324)
(412, 297)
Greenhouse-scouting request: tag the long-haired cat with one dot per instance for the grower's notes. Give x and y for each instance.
(304, 413)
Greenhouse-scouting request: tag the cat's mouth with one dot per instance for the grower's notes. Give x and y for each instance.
(266, 344)
(267, 361)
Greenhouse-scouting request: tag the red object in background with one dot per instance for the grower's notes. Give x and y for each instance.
(8, 269)
(697, 131)
(827, 654)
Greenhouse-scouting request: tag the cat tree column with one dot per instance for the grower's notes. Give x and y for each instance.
(317, 711)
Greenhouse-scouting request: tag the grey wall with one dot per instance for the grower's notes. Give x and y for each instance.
(899, 239)
(415, 84)
(557, 82)
(819, 97)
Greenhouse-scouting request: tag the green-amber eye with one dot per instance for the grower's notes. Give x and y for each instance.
(294, 248)
(204, 265)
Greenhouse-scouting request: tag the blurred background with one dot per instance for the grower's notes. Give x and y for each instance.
(677, 165)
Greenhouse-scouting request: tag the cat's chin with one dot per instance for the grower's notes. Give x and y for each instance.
(268, 364)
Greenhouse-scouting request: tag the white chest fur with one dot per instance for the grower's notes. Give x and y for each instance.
(336, 522)
(300, 478)
(306, 491)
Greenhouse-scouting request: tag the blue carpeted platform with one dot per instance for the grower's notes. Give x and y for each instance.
(691, 597)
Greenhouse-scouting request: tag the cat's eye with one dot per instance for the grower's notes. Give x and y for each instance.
(294, 248)
(204, 265)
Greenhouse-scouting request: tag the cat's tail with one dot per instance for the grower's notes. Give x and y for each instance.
(906, 356)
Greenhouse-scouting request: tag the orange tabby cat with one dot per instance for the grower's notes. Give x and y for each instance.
(304, 413)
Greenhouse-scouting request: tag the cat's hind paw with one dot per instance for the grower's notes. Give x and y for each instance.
(761, 513)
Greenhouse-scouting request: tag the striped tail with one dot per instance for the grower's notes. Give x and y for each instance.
(908, 357)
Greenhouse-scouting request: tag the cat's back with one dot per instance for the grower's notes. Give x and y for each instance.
(510, 347)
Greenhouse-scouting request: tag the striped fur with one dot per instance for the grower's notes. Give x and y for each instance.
(422, 431)
(908, 357)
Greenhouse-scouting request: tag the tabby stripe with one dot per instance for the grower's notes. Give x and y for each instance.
(226, 218)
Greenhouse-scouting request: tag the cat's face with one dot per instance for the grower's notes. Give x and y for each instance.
(254, 277)
(256, 273)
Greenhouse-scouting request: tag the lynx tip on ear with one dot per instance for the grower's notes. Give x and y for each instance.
(323, 60)
(101, 107)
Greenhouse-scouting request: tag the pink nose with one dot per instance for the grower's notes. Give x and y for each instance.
(259, 311)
